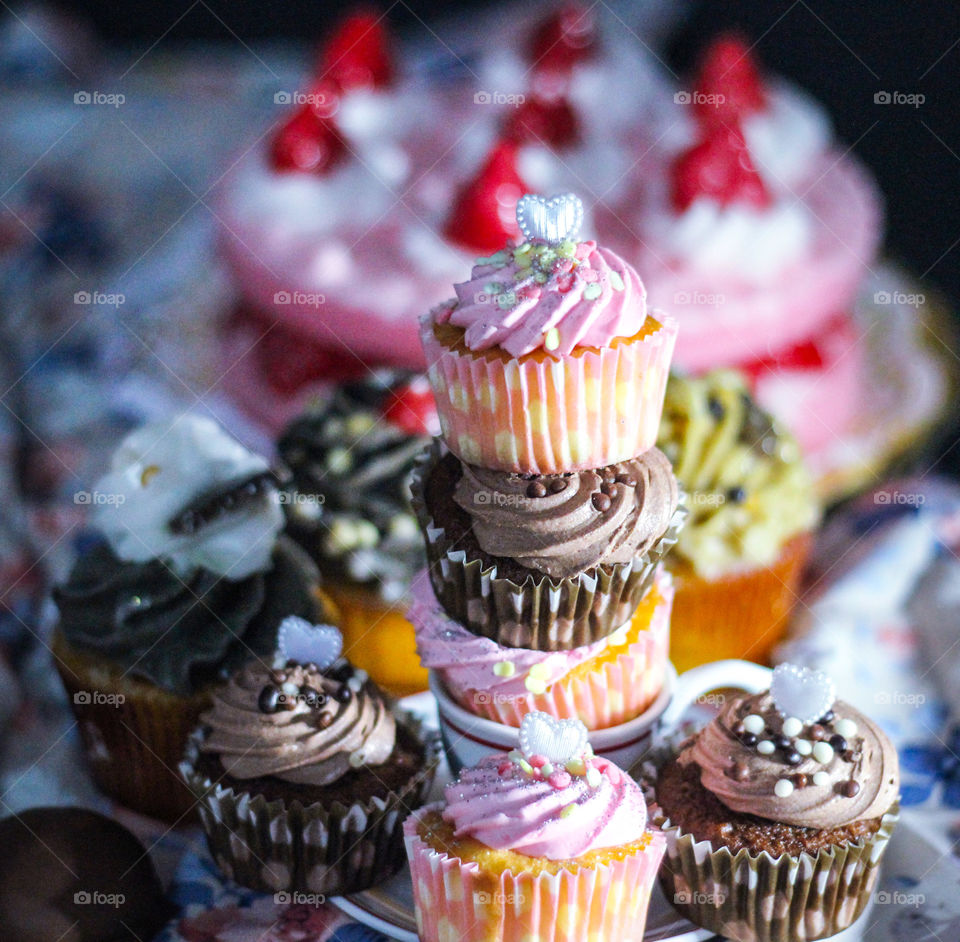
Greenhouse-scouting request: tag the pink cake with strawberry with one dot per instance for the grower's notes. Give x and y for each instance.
(756, 232)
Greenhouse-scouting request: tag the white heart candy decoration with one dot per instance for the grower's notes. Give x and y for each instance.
(801, 692)
(299, 640)
(549, 220)
(557, 740)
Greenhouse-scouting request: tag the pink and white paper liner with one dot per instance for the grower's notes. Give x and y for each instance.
(457, 901)
(545, 415)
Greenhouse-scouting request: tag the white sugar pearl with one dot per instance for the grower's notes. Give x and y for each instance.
(823, 752)
(754, 724)
(803, 746)
(290, 689)
(792, 726)
(821, 778)
(765, 747)
(783, 788)
(845, 728)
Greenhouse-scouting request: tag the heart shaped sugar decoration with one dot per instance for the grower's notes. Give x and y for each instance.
(801, 692)
(299, 640)
(551, 220)
(557, 740)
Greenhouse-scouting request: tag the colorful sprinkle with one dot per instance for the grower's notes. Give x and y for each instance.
(846, 728)
(565, 283)
(559, 780)
(535, 685)
(540, 277)
(754, 724)
(514, 755)
(504, 767)
(592, 291)
(504, 668)
(792, 727)
(616, 282)
(506, 300)
(540, 671)
(547, 769)
(492, 287)
(783, 788)
(526, 766)
(568, 810)
(823, 752)
(537, 761)
(576, 767)
(594, 778)
(567, 248)
(552, 339)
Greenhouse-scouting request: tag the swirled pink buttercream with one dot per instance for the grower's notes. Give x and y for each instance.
(504, 807)
(587, 299)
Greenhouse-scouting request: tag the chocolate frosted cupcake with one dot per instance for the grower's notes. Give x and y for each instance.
(739, 560)
(348, 506)
(777, 813)
(304, 773)
(191, 581)
(545, 562)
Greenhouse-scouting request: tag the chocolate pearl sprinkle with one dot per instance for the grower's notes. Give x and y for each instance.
(343, 694)
(608, 476)
(739, 772)
(801, 780)
(269, 699)
(850, 789)
(792, 757)
(781, 741)
(828, 717)
(748, 739)
(536, 489)
(627, 480)
(609, 489)
(848, 756)
(838, 742)
(601, 502)
(557, 485)
(817, 732)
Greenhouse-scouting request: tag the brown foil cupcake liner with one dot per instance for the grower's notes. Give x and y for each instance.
(759, 898)
(542, 613)
(280, 846)
(133, 733)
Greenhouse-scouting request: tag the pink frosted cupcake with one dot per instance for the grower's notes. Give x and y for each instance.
(602, 684)
(548, 361)
(545, 843)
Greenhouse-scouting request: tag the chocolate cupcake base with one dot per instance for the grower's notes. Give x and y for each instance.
(497, 598)
(761, 896)
(272, 842)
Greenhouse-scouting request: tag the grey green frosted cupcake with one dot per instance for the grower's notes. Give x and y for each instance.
(739, 560)
(191, 579)
(304, 771)
(777, 813)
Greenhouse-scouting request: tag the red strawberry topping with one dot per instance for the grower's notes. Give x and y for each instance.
(543, 120)
(564, 39)
(720, 168)
(412, 408)
(729, 84)
(307, 142)
(484, 214)
(358, 53)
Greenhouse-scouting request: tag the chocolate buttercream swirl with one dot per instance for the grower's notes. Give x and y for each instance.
(850, 773)
(298, 724)
(182, 633)
(563, 524)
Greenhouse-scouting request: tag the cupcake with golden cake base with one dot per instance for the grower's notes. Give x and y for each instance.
(348, 505)
(547, 360)
(191, 580)
(752, 507)
(304, 772)
(601, 684)
(777, 813)
(546, 842)
(545, 562)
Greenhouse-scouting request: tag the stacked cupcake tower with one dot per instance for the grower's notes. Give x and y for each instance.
(545, 506)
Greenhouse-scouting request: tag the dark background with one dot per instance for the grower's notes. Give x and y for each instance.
(843, 51)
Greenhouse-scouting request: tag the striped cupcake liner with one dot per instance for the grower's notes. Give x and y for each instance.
(759, 898)
(614, 692)
(547, 414)
(322, 849)
(542, 613)
(456, 900)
